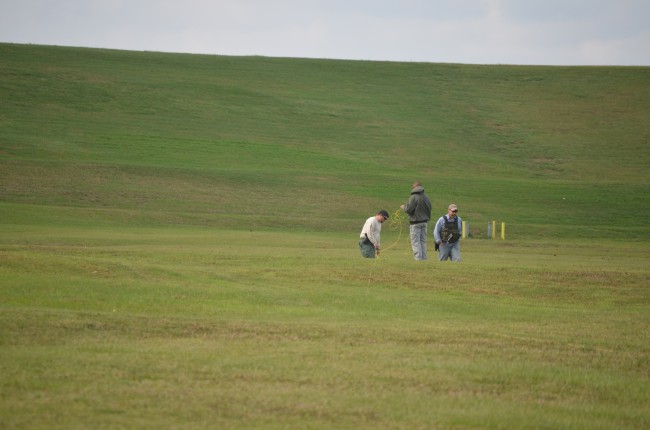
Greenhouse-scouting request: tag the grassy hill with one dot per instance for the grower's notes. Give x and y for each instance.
(178, 244)
(233, 142)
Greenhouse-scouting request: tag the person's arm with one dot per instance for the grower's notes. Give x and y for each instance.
(411, 205)
(436, 231)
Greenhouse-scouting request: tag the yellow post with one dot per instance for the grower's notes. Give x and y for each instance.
(494, 229)
(464, 229)
(503, 231)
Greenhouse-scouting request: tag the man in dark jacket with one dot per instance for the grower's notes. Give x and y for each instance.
(418, 209)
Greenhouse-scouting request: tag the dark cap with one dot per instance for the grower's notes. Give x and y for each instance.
(383, 213)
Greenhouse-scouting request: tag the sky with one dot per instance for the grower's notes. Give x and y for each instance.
(530, 32)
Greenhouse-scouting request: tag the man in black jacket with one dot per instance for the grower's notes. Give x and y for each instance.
(418, 209)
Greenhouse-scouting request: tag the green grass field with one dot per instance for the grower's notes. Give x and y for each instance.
(178, 243)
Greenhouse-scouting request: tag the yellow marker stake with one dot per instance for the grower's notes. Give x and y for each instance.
(464, 230)
(503, 231)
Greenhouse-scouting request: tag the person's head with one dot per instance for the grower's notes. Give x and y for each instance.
(452, 210)
(416, 184)
(382, 216)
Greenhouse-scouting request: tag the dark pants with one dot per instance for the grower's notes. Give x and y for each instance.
(367, 248)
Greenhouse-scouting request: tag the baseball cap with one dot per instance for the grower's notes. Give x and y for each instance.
(383, 213)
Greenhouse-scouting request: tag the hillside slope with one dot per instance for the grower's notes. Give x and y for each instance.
(102, 136)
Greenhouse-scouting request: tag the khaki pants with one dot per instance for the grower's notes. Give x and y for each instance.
(419, 240)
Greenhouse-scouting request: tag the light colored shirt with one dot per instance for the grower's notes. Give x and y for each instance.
(372, 228)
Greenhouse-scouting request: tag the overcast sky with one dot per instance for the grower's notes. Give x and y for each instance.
(548, 32)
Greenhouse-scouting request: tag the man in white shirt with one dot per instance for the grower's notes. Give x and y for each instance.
(369, 242)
